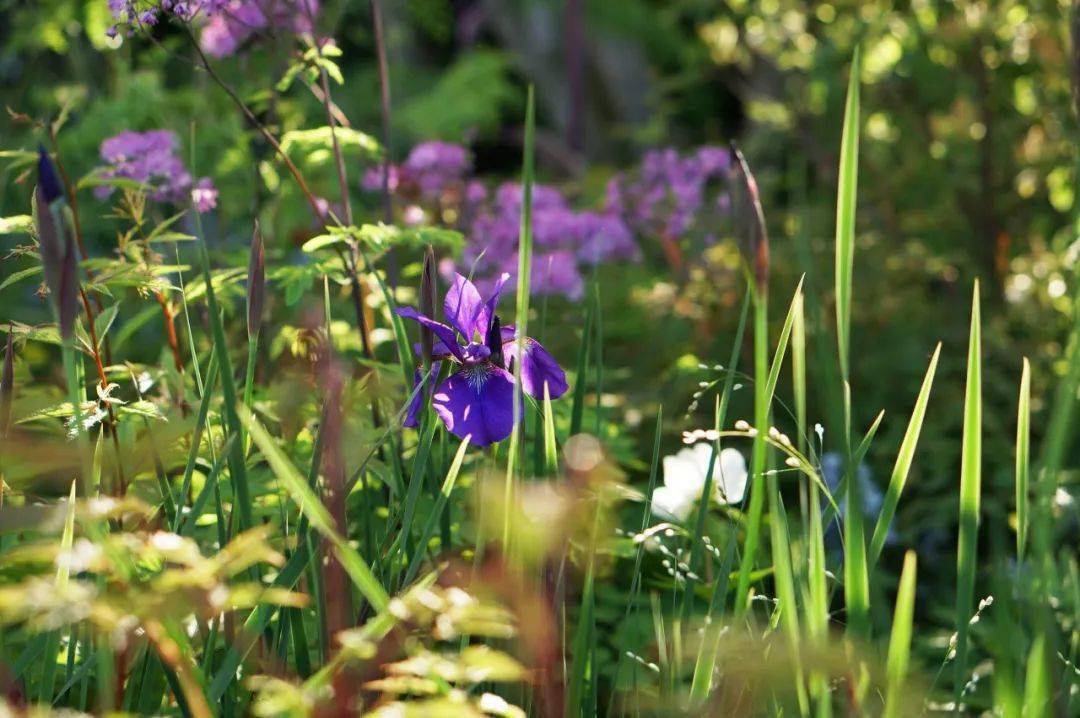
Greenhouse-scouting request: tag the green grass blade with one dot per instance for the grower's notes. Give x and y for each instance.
(316, 513)
(896, 666)
(521, 319)
(903, 462)
(1037, 680)
(970, 490)
(551, 448)
(845, 215)
(764, 387)
(436, 512)
(1023, 459)
(237, 468)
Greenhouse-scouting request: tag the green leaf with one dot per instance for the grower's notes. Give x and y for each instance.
(845, 214)
(970, 490)
(903, 462)
(896, 667)
(1023, 459)
(314, 510)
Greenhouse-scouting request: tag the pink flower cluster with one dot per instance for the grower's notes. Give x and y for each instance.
(228, 23)
(150, 159)
(436, 186)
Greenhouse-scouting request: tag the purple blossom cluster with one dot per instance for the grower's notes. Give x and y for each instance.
(228, 23)
(673, 195)
(436, 184)
(563, 240)
(150, 159)
(433, 173)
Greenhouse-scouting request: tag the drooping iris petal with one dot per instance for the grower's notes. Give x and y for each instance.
(477, 401)
(463, 306)
(443, 332)
(538, 367)
(412, 415)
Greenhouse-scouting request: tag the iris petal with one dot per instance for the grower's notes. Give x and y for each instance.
(538, 367)
(477, 401)
(441, 330)
(463, 307)
(412, 415)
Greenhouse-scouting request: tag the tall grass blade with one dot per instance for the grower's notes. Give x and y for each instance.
(237, 468)
(1023, 459)
(765, 380)
(896, 666)
(970, 490)
(521, 320)
(845, 215)
(315, 512)
(903, 462)
(436, 512)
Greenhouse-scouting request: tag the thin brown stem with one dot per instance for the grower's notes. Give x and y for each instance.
(263, 130)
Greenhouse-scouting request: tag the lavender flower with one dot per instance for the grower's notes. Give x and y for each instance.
(204, 195)
(150, 159)
(229, 23)
(668, 194)
(477, 400)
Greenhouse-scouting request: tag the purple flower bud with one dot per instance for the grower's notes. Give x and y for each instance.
(494, 341)
(48, 180)
(256, 288)
(59, 263)
(758, 247)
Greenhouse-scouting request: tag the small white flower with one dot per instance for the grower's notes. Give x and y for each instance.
(684, 480)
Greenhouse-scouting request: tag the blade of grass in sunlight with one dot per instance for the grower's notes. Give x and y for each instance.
(521, 320)
(856, 571)
(436, 512)
(765, 380)
(1023, 458)
(845, 215)
(315, 512)
(900, 638)
(551, 448)
(816, 606)
(903, 462)
(237, 468)
(970, 490)
(1037, 679)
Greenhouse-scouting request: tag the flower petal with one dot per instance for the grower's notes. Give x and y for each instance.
(488, 313)
(538, 367)
(477, 401)
(412, 415)
(731, 483)
(670, 503)
(441, 330)
(463, 307)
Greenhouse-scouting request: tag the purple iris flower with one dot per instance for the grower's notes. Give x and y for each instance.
(477, 399)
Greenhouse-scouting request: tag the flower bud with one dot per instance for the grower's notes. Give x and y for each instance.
(758, 245)
(494, 342)
(256, 288)
(58, 261)
(48, 180)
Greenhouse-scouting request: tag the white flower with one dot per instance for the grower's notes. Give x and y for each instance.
(684, 480)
